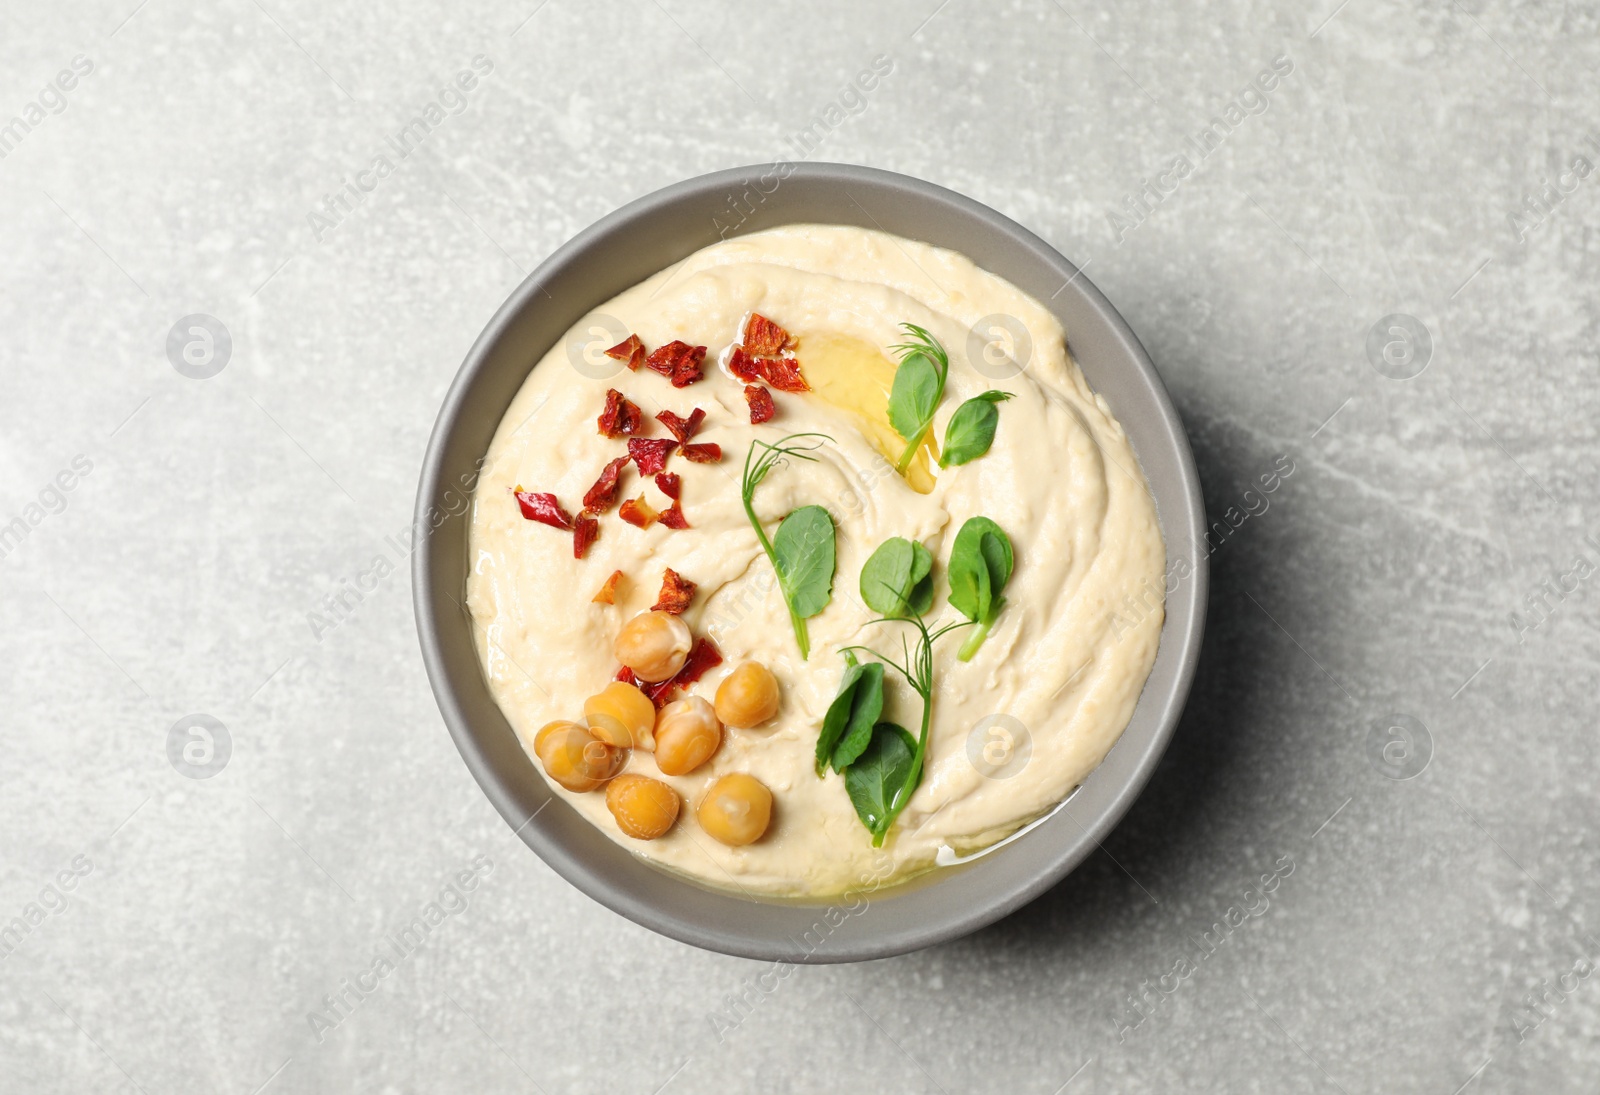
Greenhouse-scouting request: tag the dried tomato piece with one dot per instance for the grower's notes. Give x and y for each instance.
(673, 516)
(657, 692)
(638, 512)
(650, 453)
(630, 352)
(761, 405)
(670, 485)
(620, 416)
(603, 495)
(762, 336)
(708, 452)
(688, 369)
(584, 532)
(783, 373)
(543, 508)
(663, 359)
(682, 428)
(679, 362)
(743, 366)
(703, 657)
(676, 593)
(608, 592)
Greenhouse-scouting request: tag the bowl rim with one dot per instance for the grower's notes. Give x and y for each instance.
(1184, 509)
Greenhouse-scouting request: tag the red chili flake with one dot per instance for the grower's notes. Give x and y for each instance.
(671, 485)
(608, 592)
(708, 452)
(762, 336)
(761, 405)
(543, 508)
(584, 532)
(682, 428)
(743, 366)
(619, 416)
(676, 593)
(783, 373)
(679, 362)
(673, 516)
(630, 351)
(650, 453)
(638, 512)
(603, 495)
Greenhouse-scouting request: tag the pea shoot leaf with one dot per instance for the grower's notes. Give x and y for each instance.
(805, 570)
(971, 428)
(981, 561)
(879, 776)
(897, 580)
(847, 727)
(804, 555)
(918, 387)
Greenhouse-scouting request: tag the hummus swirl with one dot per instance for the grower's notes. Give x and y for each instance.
(1014, 731)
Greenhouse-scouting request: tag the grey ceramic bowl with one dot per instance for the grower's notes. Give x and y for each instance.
(627, 246)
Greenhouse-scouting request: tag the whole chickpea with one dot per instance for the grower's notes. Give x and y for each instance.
(736, 810)
(687, 733)
(622, 716)
(654, 645)
(645, 808)
(748, 696)
(574, 758)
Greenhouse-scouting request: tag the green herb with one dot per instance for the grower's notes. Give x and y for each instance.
(874, 781)
(802, 553)
(918, 671)
(898, 579)
(847, 727)
(981, 562)
(971, 429)
(918, 387)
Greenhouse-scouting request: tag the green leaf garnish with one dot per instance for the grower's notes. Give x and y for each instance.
(918, 387)
(918, 671)
(971, 428)
(875, 781)
(981, 562)
(897, 580)
(804, 555)
(847, 727)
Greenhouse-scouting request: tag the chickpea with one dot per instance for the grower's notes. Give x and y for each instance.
(736, 810)
(748, 696)
(574, 758)
(654, 645)
(645, 808)
(687, 733)
(622, 716)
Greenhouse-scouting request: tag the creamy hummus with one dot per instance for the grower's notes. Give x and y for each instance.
(1014, 731)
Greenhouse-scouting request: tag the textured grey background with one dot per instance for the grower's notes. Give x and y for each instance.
(1392, 572)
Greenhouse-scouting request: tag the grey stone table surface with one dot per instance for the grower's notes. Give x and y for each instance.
(1394, 713)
